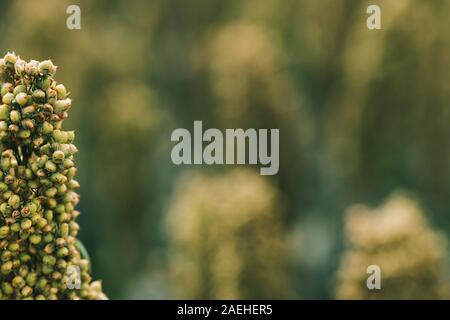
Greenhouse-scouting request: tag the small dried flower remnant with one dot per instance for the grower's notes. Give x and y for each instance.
(38, 231)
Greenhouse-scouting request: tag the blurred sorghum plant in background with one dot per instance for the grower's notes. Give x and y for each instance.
(227, 240)
(246, 73)
(397, 238)
(38, 232)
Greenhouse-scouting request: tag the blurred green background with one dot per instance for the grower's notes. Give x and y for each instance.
(361, 114)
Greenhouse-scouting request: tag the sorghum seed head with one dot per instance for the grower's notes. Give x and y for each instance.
(68, 163)
(37, 202)
(39, 141)
(27, 124)
(62, 252)
(49, 260)
(47, 68)
(31, 278)
(35, 239)
(38, 95)
(47, 108)
(60, 136)
(3, 187)
(72, 149)
(42, 222)
(15, 227)
(19, 89)
(60, 242)
(2, 69)
(25, 211)
(56, 275)
(61, 264)
(24, 257)
(14, 201)
(58, 156)
(58, 178)
(6, 87)
(13, 247)
(21, 98)
(23, 271)
(19, 66)
(64, 230)
(3, 125)
(26, 291)
(62, 105)
(7, 288)
(70, 136)
(10, 58)
(43, 83)
(13, 128)
(16, 263)
(32, 68)
(32, 207)
(15, 116)
(51, 192)
(24, 134)
(35, 218)
(52, 203)
(4, 112)
(9, 179)
(4, 231)
(28, 174)
(62, 189)
(50, 166)
(6, 267)
(18, 282)
(41, 173)
(8, 98)
(74, 184)
(26, 224)
(61, 91)
(47, 128)
(6, 255)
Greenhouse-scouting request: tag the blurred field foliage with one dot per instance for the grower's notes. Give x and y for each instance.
(361, 114)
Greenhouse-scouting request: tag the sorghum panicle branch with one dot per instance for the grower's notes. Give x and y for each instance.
(38, 228)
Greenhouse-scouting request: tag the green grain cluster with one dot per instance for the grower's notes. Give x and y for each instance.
(38, 228)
